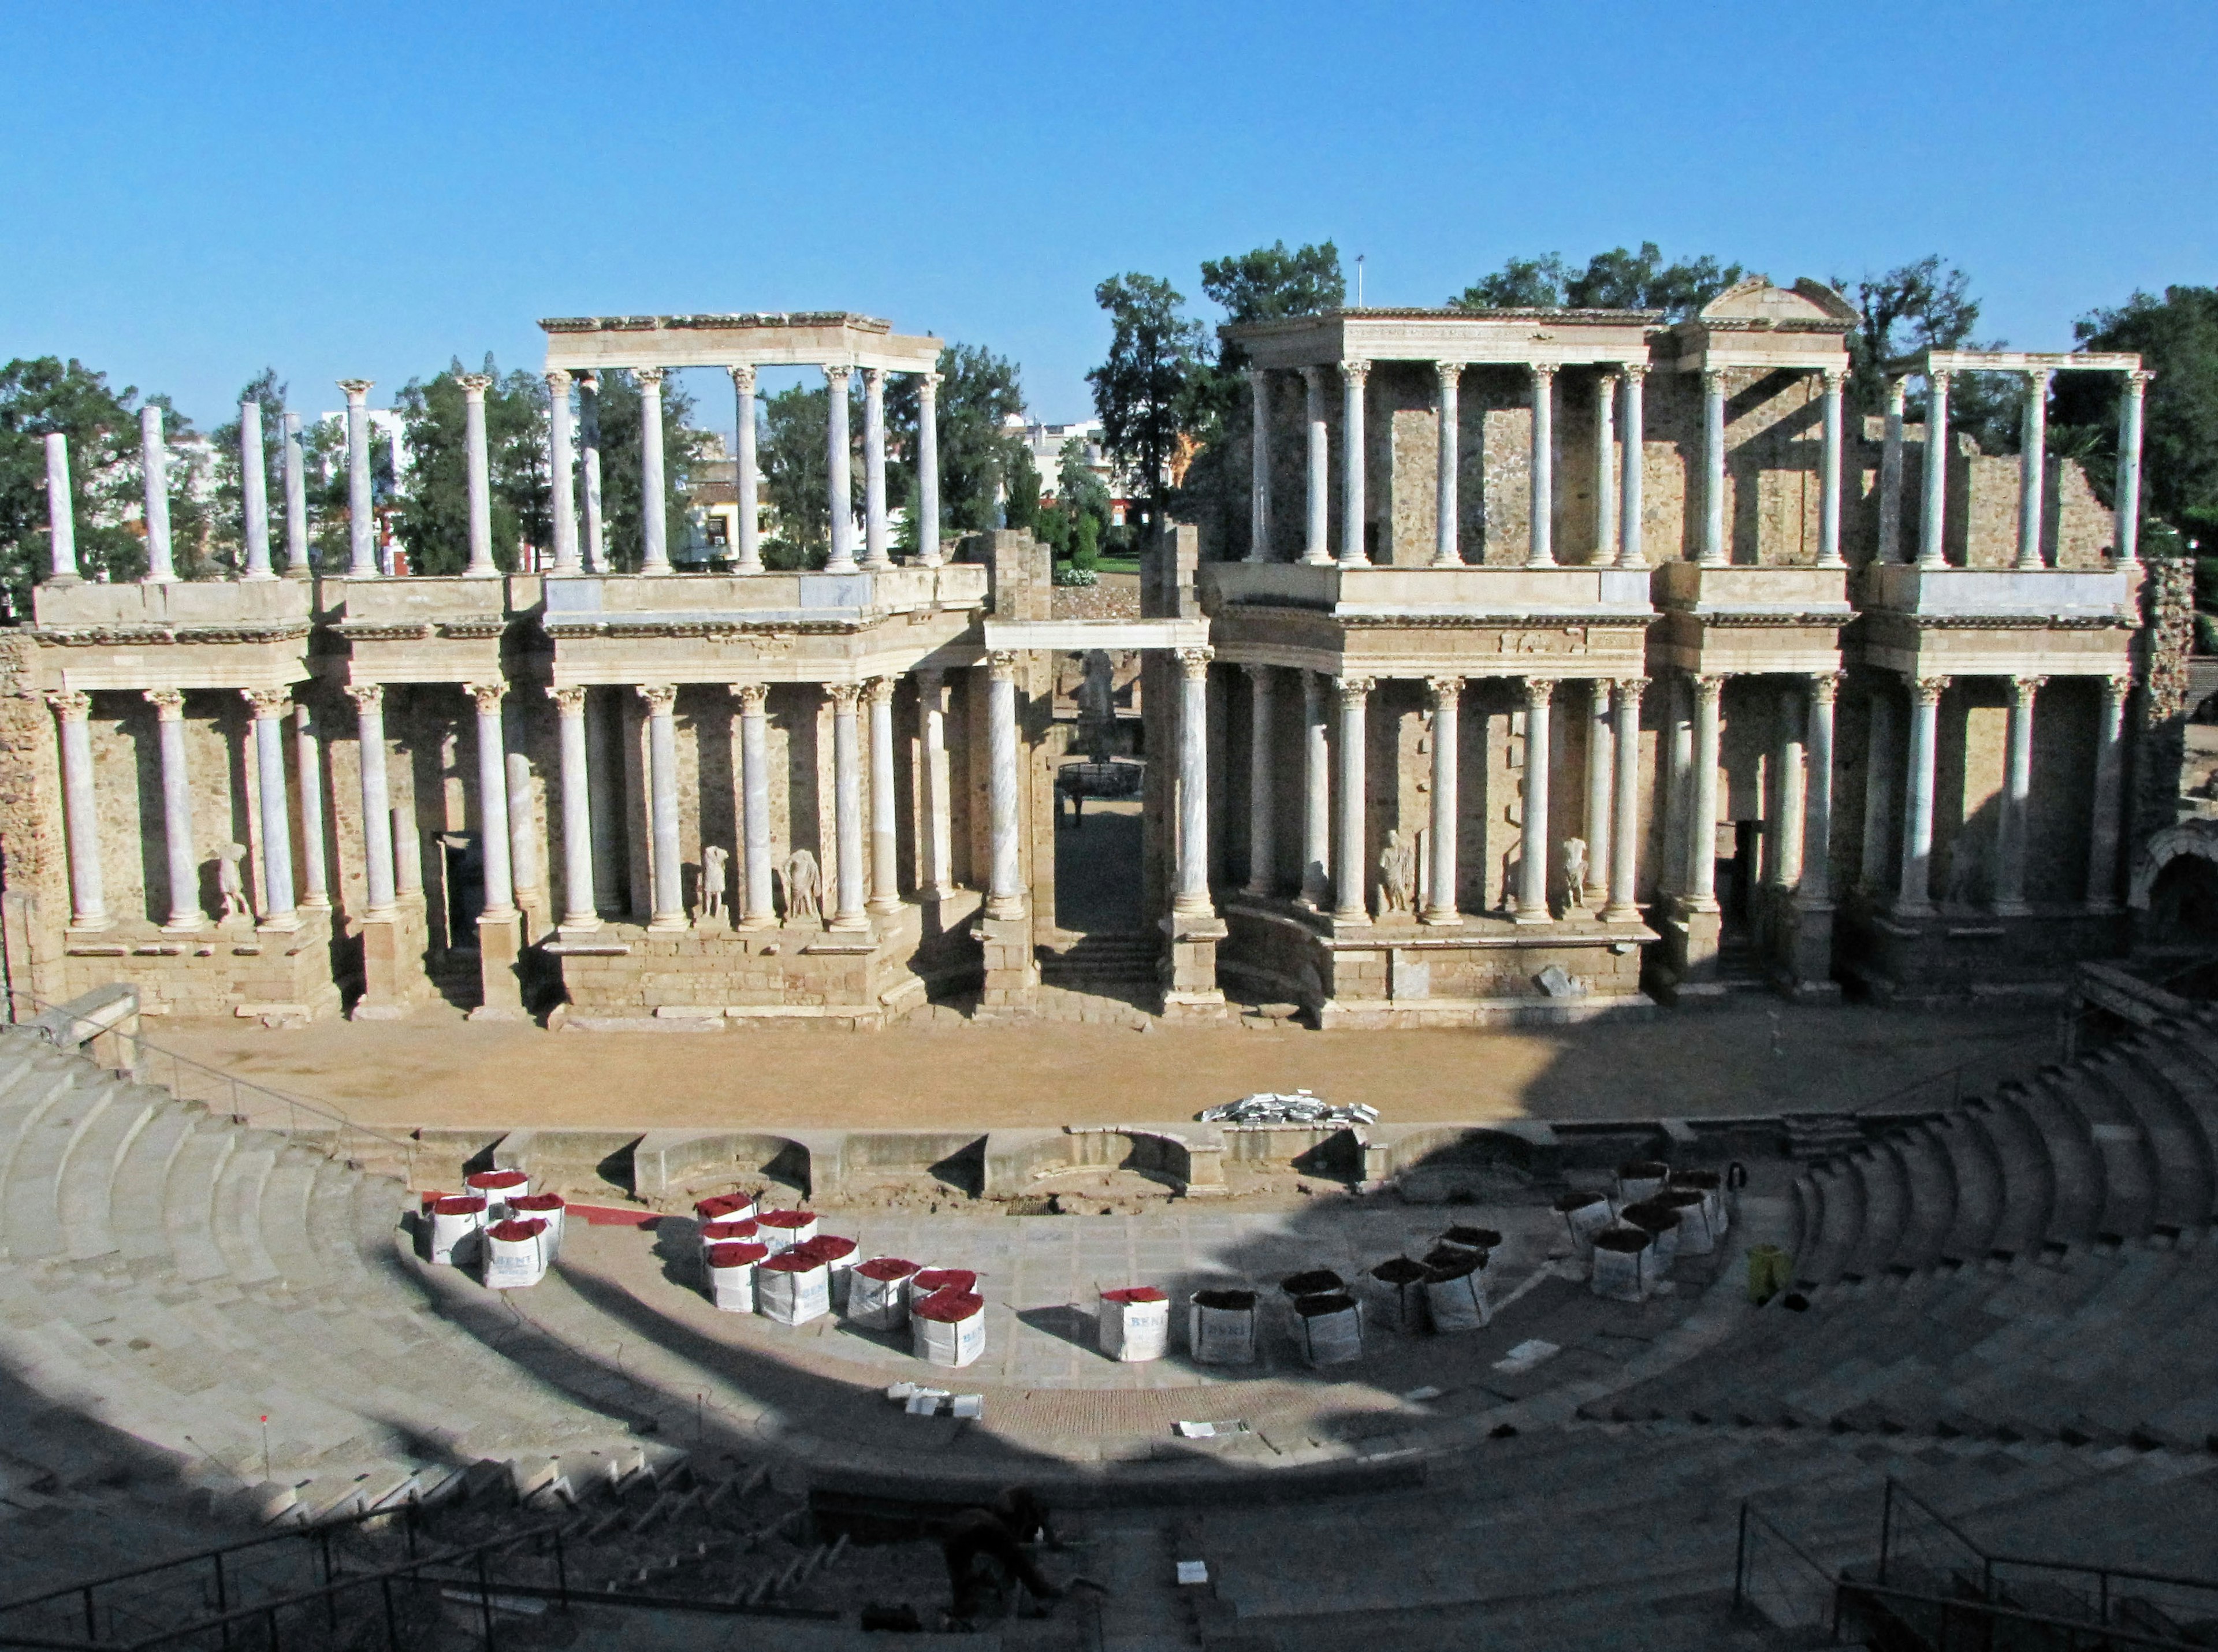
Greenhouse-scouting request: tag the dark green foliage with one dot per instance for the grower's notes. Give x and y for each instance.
(1145, 391)
(978, 390)
(1271, 282)
(683, 448)
(1085, 541)
(1022, 507)
(44, 394)
(1928, 305)
(1616, 280)
(2177, 338)
(793, 456)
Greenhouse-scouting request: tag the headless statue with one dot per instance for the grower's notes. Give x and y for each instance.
(231, 883)
(805, 889)
(713, 861)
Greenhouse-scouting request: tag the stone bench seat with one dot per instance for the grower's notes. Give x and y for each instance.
(1884, 1197)
(1928, 1181)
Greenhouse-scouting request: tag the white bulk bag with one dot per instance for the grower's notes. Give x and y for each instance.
(1621, 1263)
(1221, 1328)
(838, 1256)
(496, 1188)
(1711, 1186)
(515, 1254)
(714, 1234)
(1135, 1324)
(1661, 1223)
(1585, 1214)
(782, 1229)
(731, 1271)
(456, 1223)
(1455, 1297)
(541, 1206)
(1695, 1235)
(1399, 1289)
(792, 1289)
(948, 1327)
(1329, 1327)
(877, 1293)
(930, 1282)
(725, 1207)
(1640, 1179)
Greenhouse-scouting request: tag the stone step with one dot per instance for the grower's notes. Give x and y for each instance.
(2123, 1170)
(2176, 1150)
(2076, 1174)
(2023, 1160)
(1930, 1199)
(30, 1192)
(1886, 1203)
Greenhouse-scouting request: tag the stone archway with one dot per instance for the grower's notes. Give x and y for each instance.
(2196, 838)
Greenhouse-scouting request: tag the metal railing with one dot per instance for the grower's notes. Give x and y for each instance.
(1775, 1575)
(1951, 1076)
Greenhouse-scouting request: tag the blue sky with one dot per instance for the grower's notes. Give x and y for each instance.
(190, 192)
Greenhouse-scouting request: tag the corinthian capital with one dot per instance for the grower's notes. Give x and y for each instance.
(752, 697)
(168, 704)
(1194, 662)
(475, 385)
(367, 696)
(650, 378)
(488, 696)
(837, 377)
(743, 379)
(72, 706)
(844, 694)
(1353, 690)
(1927, 690)
(1355, 373)
(558, 381)
(1001, 664)
(570, 701)
(659, 696)
(268, 702)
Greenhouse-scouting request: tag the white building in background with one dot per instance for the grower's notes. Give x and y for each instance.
(385, 426)
(1045, 444)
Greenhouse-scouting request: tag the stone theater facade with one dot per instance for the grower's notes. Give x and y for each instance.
(1565, 661)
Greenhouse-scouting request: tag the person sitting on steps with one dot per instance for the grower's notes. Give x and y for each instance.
(997, 1532)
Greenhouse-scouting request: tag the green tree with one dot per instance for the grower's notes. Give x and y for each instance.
(1920, 305)
(223, 543)
(979, 391)
(2177, 338)
(1085, 541)
(1144, 391)
(682, 449)
(1021, 507)
(1616, 280)
(435, 523)
(792, 454)
(1077, 489)
(1269, 283)
(44, 394)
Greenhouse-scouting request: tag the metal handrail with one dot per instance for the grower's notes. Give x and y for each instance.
(1749, 1513)
(2100, 1634)
(1955, 1074)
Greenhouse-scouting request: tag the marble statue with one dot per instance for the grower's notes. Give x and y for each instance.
(1396, 873)
(805, 889)
(230, 884)
(1097, 706)
(1574, 873)
(713, 858)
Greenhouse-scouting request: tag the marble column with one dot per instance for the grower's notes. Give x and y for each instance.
(1534, 837)
(874, 469)
(1701, 894)
(1541, 551)
(927, 469)
(1190, 892)
(1625, 832)
(761, 897)
(1678, 750)
(154, 468)
(1828, 471)
(1354, 551)
(407, 845)
(2128, 496)
(578, 911)
(186, 914)
(1262, 802)
(1447, 549)
(1916, 888)
(1259, 465)
(2032, 467)
(1317, 795)
(61, 513)
(1005, 890)
(839, 483)
(654, 507)
(296, 499)
(80, 810)
(746, 528)
(1631, 551)
(1714, 552)
(936, 832)
(361, 506)
(1792, 793)
(1816, 888)
(885, 856)
(1317, 539)
(1600, 744)
(847, 806)
(523, 833)
(308, 760)
(1606, 463)
(254, 491)
(667, 891)
(271, 706)
(1933, 521)
(2107, 823)
(1440, 897)
(1350, 879)
(2010, 823)
(1881, 759)
(595, 551)
(493, 802)
(479, 470)
(562, 470)
(377, 803)
(1890, 474)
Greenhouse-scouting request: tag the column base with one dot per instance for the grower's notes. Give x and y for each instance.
(668, 924)
(1350, 918)
(1190, 992)
(1005, 908)
(283, 923)
(760, 920)
(1528, 919)
(1441, 918)
(186, 926)
(99, 925)
(1627, 914)
(392, 967)
(2010, 909)
(1012, 977)
(882, 905)
(1690, 941)
(577, 925)
(500, 988)
(849, 923)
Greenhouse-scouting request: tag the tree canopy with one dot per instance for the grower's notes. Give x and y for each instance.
(1269, 283)
(979, 391)
(1143, 391)
(2177, 338)
(1616, 280)
(435, 523)
(45, 394)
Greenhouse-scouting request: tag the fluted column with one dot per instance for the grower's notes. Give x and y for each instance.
(154, 468)
(185, 912)
(562, 470)
(838, 484)
(747, 529)
(1933, 522)
(493, 802)
(1350, 880)
(1917, 886)
(1353, 552)
(1004, 893)
(308, 760)
(1714, 553)
(2105, 826)
(936, 829)
(1533, 839)
(1676, 752)
(1792, 789)
(1816, 885)
(847, 805)
(1318, 448)
(1632, 550)
(1259, 464)
(2129, 464)
(654, 507)
(1190, 891)
(478, 470)
(296, 498)
(254, 491)
(1890, 472)
(1600, 754)
(1440, 897)
(2032, 467)
(1882, 762)
(1262, 802)
(927, 469)
(377, 803)
(760, 898)
(2010, 825)
(885, 858)
(594, 552)
(80, 816)
(271, 706)
(61, 513)
(1703, 812)
(1317, 795)
(1625, 832)
(362, 507)
(1447, 549)
(1829, 473)
(668, 893)
(578, 911)
(1605, 467)
(1541, 545)
(874, 469)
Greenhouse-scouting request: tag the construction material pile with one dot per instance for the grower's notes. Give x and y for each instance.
(1267, 1107)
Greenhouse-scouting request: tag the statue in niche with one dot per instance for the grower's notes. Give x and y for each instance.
(1575, 874)
(1397, 868)
(713, 859)
(1964, 869)
(230, 882)
(1513, 873)
(805, 889)
(1097, 707)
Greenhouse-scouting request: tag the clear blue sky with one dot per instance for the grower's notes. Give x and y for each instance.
(191, 192)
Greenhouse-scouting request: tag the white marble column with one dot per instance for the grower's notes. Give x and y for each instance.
(2010, 824)
(1259, 465)
(1701, 892)
(1262, 801)
(61, 513)
(1541, 545)
(2032, 467)
(478, 470)
(524, 831)
(80, 810)
(1441, 900)
(362, 505)
(154, 468)
(1534, 837)
(1353, 552)
(1890, 472)
(562, 470)
(874, 469)
(668, 887)
(1625, 832)
(760, 898)
(377, 803)
(1792, 788)
(1714, 553)
(1600, 754)
(935, 831)
(885, 855)
(928, 470)
(1678, 753)
(1933, 521)
(254, 491)
(308, 760)
(186, 914)
(746, 529)
(1005, 892)
(1632, 550)
(653, 506)
(2129, 510)
(847, 806)
(1317, 538)
(1350, 881)
(1828, 471)
(493, 802)
(2106, 825)
(1447, 549)
(1190, 891)
(1917, 886)
(271, 706)
(1317, 795)
(578, 911)
(1816, 888)
(1881, 761)
(839, 483)
(1606, 462)
(296, 499)
(594, 552)
(407, 845)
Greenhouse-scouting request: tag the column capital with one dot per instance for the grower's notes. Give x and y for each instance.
(1539, 690)
(1927, 690)
(1825, 686)
(358, 390)
(475, 385)
(367, 696)
(2023, 688)
(1258, 378)
(1898, 395)
(558, 379)
(879, 690)
(1835, 378)
(1630, 689)
(752, 697)
(1353, 374)
(660, 697)
(1713, 381)
(2037, 380)
(844, 694)
(168, 704)
(650, 378)
(1001, 664)
(2117, 684)
(1313, 377)
(1445, 691)
(1544, 372)
(874, 378)
(588, 380)
(1708, 685)
(743, 379)
(2137, 380)
(1257, 674)
(837, 375)
(928, 383)
(1353, 690)
(268, 702)
(1194, 662)
(1450, 373)
(569, 701)
(1938, 379)
(1633, 372)
(488, 696)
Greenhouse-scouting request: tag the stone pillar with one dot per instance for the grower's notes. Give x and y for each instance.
(478, 470)
(1317, 795)
(186, 915)
(154, 467)
(935, 828)
(1262, 802)
(2032, 467)
(308, 760)
(668, 887)
(1605, 467)
(885, 857)
(1596, 816)
(1793, 790)
(1631, 552)
(296, 499)
(927, 469)
(1317, 546)
(1678, 755)
(653, 521)
(407, 855)
(1816, 888)
(579, 912)
(1005, 890)
(1916, 888)
(493, 802)
(377, 804)
(271, 708)
(761, 908)
(1349, 882)
(1533, 839)
(2104, 828)
(562, 470)
(1829, 474)
(1880, 767)
(1190, 892)
(254, 491)
(361, 506)
(1259, 465)
(1933, 523)
(2017, 792)
(1890, 474)
(874, 469)
(1625, 832)
(1353, 553)
(1541, 553)
(1447, 551)
(2129, 465)
(80, 817)
(61, 513)
(746, 530)
(1714, 553)
(847, 806)
(1702, 815)
(595, 550)
(839, 483)
(1440, 898)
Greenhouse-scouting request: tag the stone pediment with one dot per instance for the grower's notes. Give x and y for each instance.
(1758, 302)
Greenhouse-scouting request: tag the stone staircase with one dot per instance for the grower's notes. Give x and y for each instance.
(1102, 961)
